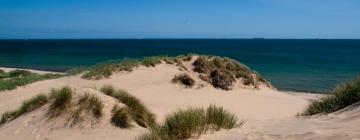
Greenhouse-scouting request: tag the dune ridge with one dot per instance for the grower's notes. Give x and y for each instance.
(269, 113)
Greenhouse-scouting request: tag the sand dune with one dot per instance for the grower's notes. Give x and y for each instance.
(270, 113)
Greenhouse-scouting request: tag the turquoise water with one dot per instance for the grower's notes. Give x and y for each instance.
(297, 65)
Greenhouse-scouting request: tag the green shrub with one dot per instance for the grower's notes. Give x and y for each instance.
(139, 113)
(120, 117)
(192, 122)
(27, 106)
(60, 100)
(222, 72)
(185, 79)
(343, 96)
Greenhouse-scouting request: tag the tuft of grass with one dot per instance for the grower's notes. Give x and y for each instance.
(86, 104)
(218, 117)
(343, 96)
(27, 106)
(91, 103)
(13, 79)
(221, 72)
(139, 113)
(120, 117)
(184, 79)
(60, 100)
(192, 122)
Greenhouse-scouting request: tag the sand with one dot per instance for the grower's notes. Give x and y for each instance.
(270, 114)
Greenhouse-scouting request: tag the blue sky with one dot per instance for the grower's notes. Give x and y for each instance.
(179, 18)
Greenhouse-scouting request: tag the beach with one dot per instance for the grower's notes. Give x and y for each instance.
(267, 112)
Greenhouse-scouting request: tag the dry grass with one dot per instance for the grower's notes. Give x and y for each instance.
(13, 79)
(184, 79)
(192, 122)
(121, 117)
(343, 96)
(138, 112)
(106, 69)
(222, 72)
(60, 100)
(27, 106)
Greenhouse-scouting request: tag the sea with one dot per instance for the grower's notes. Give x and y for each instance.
(306, 65)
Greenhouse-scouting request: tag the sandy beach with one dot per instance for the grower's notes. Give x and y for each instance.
(269, 113)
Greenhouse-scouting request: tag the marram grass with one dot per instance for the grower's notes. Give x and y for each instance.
(192, 122)
(343, 96)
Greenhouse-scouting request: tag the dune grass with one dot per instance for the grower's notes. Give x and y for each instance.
(60, 100)
(192, 122)
(222, 72)
(106, 69)
(87, 106)
(120, 117)
(92, 104)
(343, 96)
(27, 106)
(137, 110)
(184, 79)
(13, 79)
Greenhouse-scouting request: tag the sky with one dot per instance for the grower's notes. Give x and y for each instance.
(26, 19)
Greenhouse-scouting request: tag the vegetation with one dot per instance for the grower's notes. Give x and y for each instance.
(192, 122)
(343, 96)
(138, 112)
(27, 106)
(13, 79)
(120, 117)
(92, 104)
(60, 100)
(87, 106)
(105, 70)
(184, 79)
(222, 72)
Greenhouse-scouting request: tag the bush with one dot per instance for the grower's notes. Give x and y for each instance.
(27, 106)
(192, 122)
(343, 96)
(60, 100)
(185, 79)
(222, 72)
(139, 113)
(120, 117)
(222, 79)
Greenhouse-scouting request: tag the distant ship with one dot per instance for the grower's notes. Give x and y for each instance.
(258, 38)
